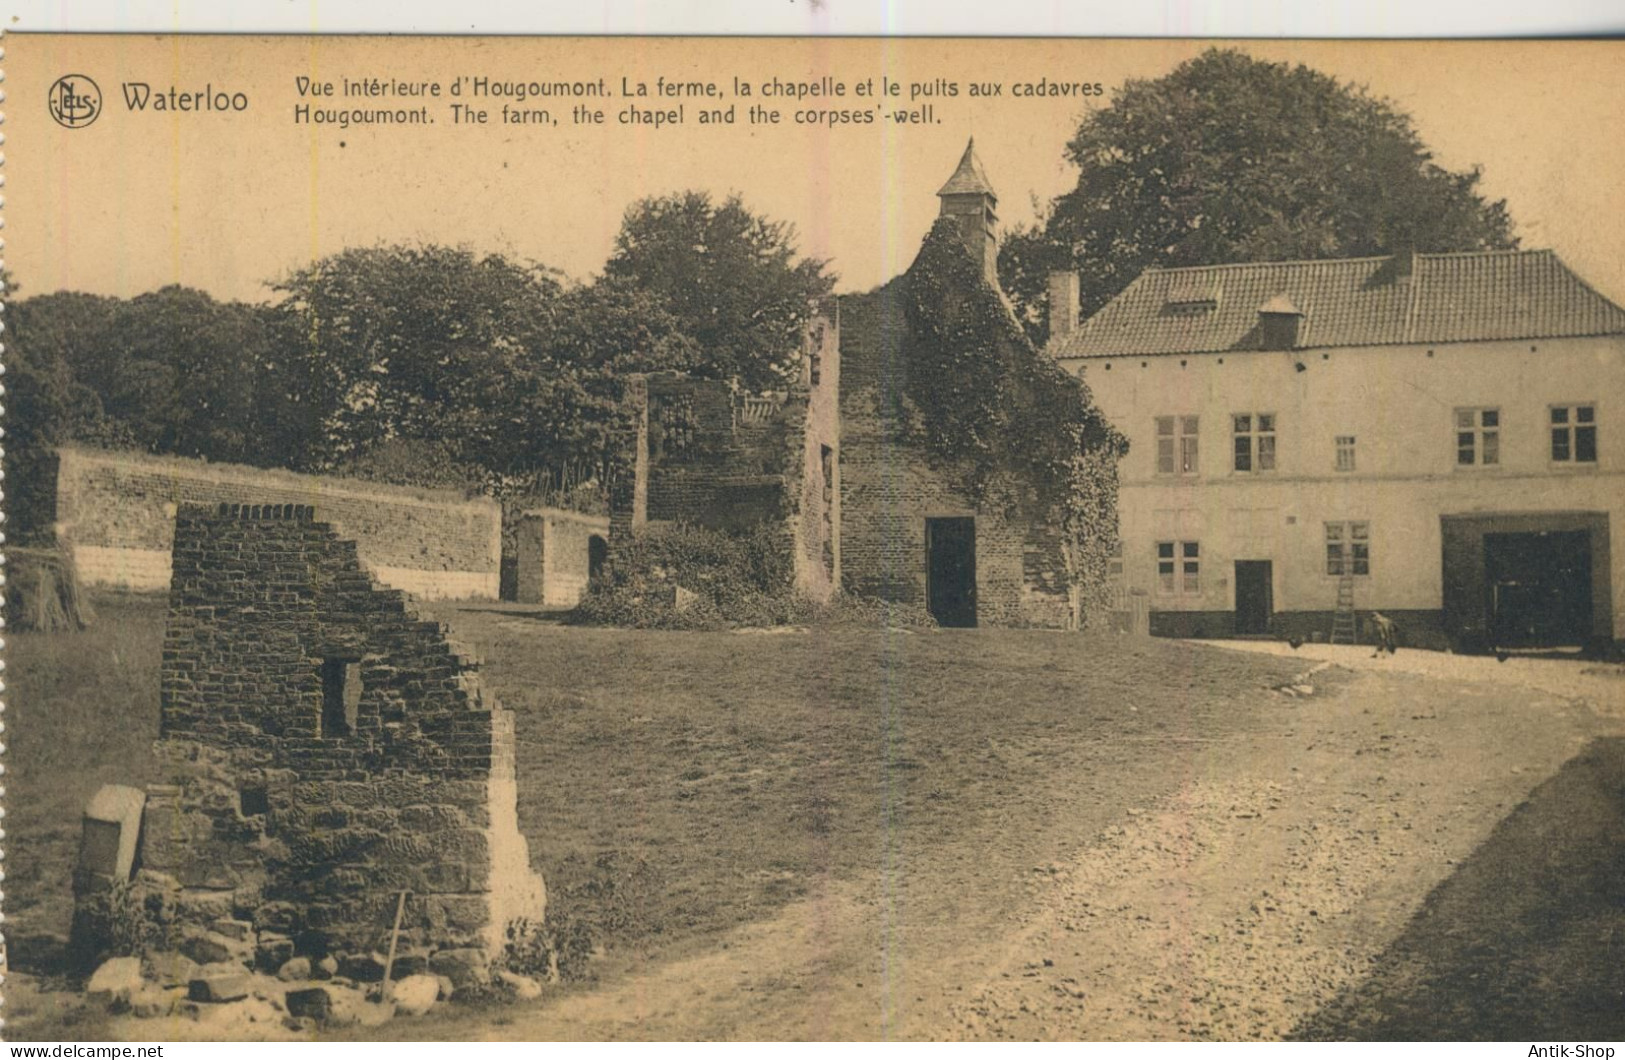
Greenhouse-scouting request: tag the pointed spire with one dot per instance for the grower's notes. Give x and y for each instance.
(969, 178)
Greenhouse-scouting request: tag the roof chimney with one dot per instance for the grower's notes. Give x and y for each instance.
(969, 199)
(1063, 304)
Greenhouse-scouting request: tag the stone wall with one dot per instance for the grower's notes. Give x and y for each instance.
(890, 486)
(554, 550)
(327, 749)
(116, 510)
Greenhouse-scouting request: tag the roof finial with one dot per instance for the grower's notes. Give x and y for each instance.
(969, 178)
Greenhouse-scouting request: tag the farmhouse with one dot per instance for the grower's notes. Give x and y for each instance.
(1429, 435)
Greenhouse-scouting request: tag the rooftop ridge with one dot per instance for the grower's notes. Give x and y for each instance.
(1389, 299)
(1289, 262)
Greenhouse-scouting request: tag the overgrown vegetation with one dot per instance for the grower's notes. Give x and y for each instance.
(121, 921)
(1023, 433)
(726, 580)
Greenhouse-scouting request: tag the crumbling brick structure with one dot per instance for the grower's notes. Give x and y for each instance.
(708, 454)
(329, 749)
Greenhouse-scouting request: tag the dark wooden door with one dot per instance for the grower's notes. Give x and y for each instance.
(1254, 603)
(950, 570)
(1540, 587)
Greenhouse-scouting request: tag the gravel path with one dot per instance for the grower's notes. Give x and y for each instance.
(1257, 897)
(1600, 685)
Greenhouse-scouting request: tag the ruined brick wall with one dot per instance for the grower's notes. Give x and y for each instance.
(117, 512)
(554, 551)
(328, 748)
(707, 462)
(890, 486)
(812, 478)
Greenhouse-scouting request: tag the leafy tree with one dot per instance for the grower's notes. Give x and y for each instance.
(562, 403)
(45, 404)
(181, 372)
(402, 341)
(1231, 158)
(730, 278)
(170, 371)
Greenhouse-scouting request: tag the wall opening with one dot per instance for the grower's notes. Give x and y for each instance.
(341, 696)
(950, 570)
(597, 555)
(253, 802)
(826, 464)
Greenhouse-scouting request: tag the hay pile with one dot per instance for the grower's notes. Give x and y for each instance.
(42, 592)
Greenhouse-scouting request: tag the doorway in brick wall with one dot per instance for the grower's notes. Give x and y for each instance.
(950, 570)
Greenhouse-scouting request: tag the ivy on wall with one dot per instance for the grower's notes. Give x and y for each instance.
(1020, 431)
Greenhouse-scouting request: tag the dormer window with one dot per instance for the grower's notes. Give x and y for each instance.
(1278, 324)
(1190, 300)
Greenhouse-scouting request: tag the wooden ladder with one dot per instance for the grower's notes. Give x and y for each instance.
(1345, 627)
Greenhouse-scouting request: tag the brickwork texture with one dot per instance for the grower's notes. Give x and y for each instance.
(328, 748)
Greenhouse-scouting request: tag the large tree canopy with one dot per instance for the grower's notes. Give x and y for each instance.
(730, 279)
(406, 342)
(1230, 158)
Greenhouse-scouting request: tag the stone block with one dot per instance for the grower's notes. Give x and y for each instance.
(294, 970)
(209, 947)
(153, 1002)
(272, 951)
(217, 983)
(415, 995)
(233, 929)
(464, 967)
(522, 987)
(362, 967)
(110, 832)
(311, 1002)
(204, 906)
(409, 962)
(115, 980)
(171, 969)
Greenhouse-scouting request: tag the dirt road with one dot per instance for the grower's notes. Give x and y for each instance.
(1288, 859)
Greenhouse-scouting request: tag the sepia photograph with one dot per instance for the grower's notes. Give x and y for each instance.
(812, 538)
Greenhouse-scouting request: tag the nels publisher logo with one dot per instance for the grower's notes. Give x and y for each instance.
(75, 101)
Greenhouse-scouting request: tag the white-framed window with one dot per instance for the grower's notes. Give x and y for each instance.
(1345, 452)
(1574, 434)
(1179, 568)
(1254, 441)
(1348, 549)
(1176, 445)
(1478, 437)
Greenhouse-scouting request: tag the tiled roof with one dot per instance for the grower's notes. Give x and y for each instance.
(969, 178)
(1407, 298)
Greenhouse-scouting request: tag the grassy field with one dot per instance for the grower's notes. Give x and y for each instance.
(81, 711)
(675, 785)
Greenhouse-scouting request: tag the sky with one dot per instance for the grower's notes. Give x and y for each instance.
(229, 201)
